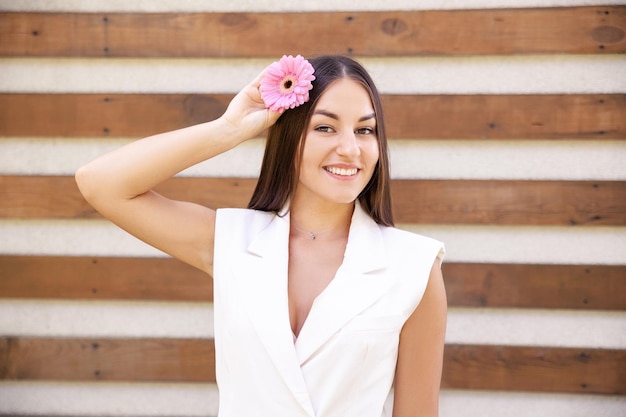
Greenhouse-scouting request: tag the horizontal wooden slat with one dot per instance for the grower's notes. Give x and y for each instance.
(539, 116)
(597, 29)
(59, 197)
(102, 278)
(591, 287)
(601, 287)
(154, 360)
(500, 202)
(544, 369)
(101, 115)
(510, 202)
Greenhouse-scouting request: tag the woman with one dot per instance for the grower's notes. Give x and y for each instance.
(322, 307)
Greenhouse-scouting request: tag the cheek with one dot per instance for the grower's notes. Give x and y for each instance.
(371, 151)
(308, 157)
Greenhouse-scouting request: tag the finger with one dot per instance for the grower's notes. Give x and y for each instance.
(272, 116)
(256, 83)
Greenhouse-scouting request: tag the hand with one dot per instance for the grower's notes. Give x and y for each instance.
(247, 114)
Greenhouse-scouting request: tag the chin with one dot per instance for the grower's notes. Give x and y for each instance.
(345, 199)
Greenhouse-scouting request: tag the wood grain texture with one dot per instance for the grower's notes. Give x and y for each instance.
(580, 30)
(59, 197)
(137, 360)
(517, 368)
(534, 116)
(522, 116)
(102, 278)
(501, 202)
(581, 287)
(543, 369)
(105, 115)
(510, 202)
(593, 287)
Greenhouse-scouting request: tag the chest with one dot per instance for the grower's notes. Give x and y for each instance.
(312, 266)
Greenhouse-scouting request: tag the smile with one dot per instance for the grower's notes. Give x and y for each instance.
(342, 171)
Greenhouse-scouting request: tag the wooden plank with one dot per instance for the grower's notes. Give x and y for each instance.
(592, 287)
(105, 115)
(518, 368)
(510, 202)
(596, 29)
(102, 278)
(564, 203)
(543, 369)
(532, 116)
(584, 287)
(538, 116)
(137, 360)
(58, 196)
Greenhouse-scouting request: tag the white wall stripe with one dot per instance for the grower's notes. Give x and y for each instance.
(524, 74)
(410, 159)
(108, 399)
(63, 156)
(509, 160)
(533, 244)
(499, 244)
(126, 319)
(277, 5)
(70, 237)
(535, 74)
(164, 400)
(512, 404)
(168, 400)
(534, 327)
(490, 326)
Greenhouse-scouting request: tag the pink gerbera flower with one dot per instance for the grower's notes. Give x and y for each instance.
(286, 83)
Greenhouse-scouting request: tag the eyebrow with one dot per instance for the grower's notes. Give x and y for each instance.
(334, 116)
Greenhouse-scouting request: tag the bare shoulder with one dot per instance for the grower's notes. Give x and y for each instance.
(420, 355)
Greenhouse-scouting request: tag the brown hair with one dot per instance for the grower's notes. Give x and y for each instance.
(280, 171)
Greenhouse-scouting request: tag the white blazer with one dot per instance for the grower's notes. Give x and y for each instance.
(343, 361)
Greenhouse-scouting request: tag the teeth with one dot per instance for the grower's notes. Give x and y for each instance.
(341, 171)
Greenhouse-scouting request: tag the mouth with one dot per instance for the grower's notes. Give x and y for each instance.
(343, 172)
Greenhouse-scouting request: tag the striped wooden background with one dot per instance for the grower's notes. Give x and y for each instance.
(508, 130)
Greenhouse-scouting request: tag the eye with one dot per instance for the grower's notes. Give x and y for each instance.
(324, 129)
(365, 131)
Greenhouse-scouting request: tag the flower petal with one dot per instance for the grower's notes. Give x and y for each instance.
(297, 70)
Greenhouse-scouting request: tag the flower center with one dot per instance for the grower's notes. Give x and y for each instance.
(288, 84)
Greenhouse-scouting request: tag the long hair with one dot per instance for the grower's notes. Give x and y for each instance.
(280, 168)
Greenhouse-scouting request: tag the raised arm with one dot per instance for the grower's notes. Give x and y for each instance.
(119, 184)
(420, 356)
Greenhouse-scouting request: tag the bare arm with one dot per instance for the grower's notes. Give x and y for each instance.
(420, 357)
(119, 184)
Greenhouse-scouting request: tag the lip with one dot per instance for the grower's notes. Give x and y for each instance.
(342, 171)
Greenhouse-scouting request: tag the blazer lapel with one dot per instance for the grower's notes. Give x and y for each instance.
(355, 287)
(263, 284)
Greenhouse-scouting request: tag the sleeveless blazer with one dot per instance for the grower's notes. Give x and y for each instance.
(343, 362)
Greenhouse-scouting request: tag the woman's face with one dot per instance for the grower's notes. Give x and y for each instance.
(340, 148)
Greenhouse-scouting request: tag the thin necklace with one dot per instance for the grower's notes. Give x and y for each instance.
(311, 235)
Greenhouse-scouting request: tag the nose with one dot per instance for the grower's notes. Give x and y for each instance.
(348, 144)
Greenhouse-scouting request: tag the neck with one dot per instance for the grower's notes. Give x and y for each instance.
(328, 222)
